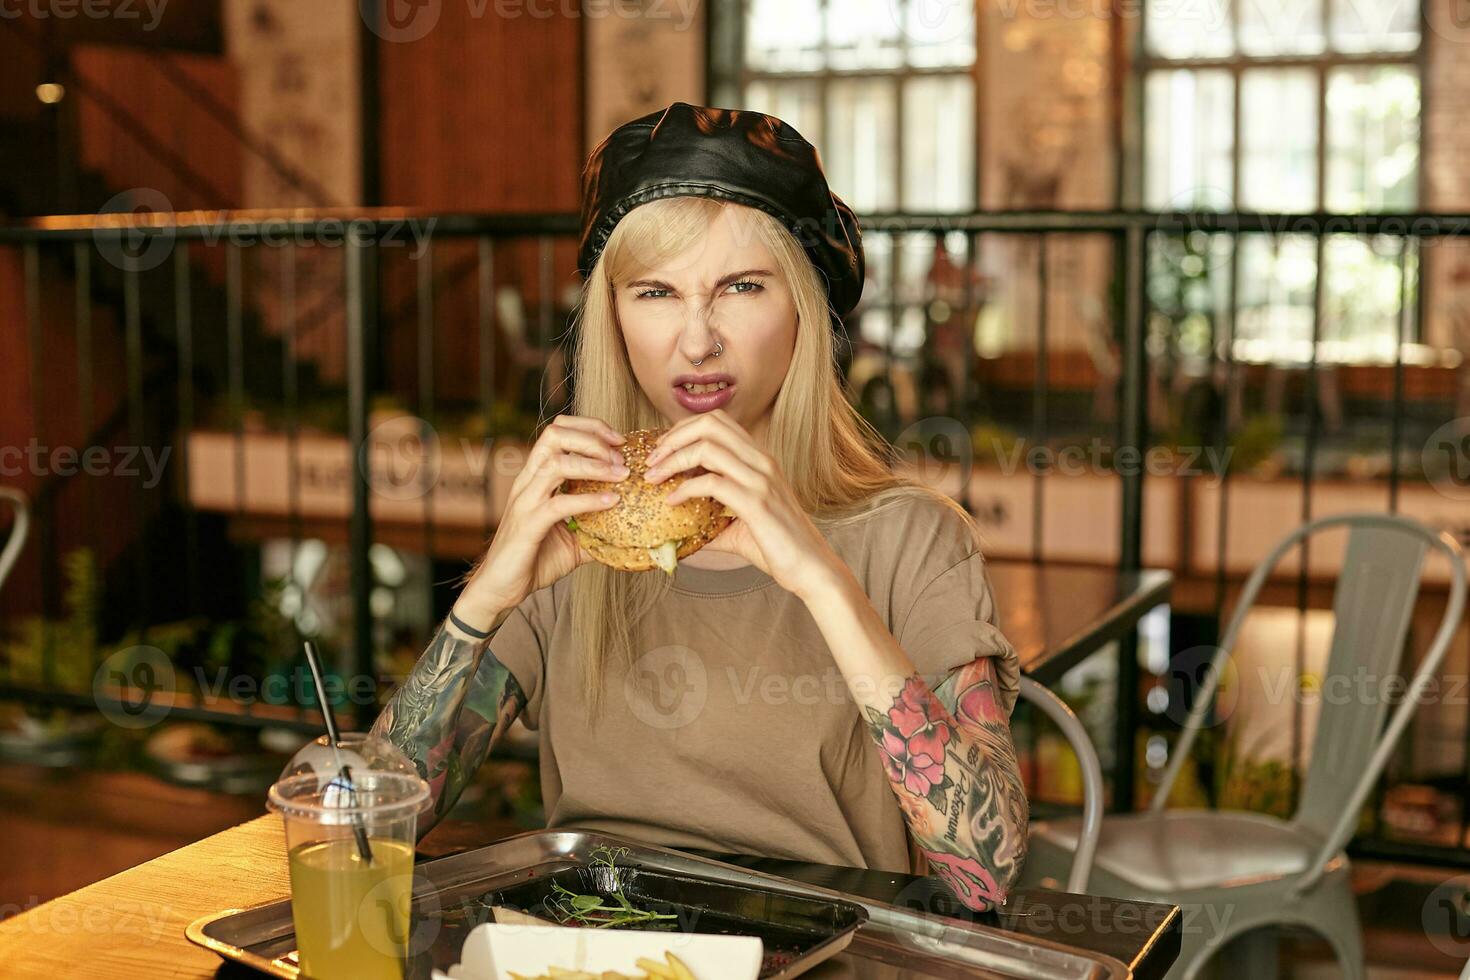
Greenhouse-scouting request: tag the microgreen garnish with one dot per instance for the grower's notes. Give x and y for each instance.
(590, 910)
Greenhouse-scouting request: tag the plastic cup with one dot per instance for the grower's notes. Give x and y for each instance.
(351, 915)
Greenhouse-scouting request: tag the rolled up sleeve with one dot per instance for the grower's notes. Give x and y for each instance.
(952, 620)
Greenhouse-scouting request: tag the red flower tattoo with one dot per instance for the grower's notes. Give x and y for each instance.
(921, 720)
(915, 771)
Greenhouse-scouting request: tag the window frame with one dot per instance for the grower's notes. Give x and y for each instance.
(1145, 63)
(728, 77)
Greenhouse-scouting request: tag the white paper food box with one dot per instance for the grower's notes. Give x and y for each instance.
(492, 951)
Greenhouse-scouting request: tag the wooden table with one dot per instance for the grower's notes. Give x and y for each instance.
(132, 924)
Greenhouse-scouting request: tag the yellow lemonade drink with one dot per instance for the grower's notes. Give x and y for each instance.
(351, 917)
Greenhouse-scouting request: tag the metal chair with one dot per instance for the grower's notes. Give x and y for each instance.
(11, 553)
(1234, 872)
(1047, 701)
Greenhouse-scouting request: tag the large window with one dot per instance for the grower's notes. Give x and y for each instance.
(1290, 106)
(1327, 118)
(886, 90)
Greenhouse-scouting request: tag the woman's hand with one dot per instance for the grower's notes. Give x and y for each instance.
(532, 547)
(771, 531)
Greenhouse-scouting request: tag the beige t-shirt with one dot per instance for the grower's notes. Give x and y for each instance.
(736, 731)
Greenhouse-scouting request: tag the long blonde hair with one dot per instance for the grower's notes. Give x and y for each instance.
(839, 466)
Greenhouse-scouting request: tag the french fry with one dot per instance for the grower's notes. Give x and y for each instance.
(661, 971)
(681, 971)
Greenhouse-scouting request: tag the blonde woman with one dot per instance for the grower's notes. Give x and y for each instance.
(825, 681)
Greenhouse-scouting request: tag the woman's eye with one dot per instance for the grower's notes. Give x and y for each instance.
(754, 286)
(650, 293)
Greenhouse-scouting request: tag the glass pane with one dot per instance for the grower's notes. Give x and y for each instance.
(861, 147)
(1278, 139)
(864, 34)
(1199, 29)
(784, 35)
(1372, 139)
(1375, 25)
(939, 143)
(793, 101)
(1275, 279)
(1188, 140)
(1360, 303)
(940, 32)
(1281, 26)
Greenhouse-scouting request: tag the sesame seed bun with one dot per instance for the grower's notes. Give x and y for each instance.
(622, 535)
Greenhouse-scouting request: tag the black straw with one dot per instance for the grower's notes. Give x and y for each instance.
(358, 831)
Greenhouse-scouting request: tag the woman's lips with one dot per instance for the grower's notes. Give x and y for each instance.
(705, 401)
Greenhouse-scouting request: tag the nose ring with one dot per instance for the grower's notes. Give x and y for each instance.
(719, 349)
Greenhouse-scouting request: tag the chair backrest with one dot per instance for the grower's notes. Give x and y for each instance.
(1372, 607)
(1073, 731)
(1373, 603)
(18, 531)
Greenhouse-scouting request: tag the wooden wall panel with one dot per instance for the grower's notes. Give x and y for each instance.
(173, 121)
(483, 113)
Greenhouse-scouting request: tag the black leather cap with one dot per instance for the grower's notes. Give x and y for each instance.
(732, 154)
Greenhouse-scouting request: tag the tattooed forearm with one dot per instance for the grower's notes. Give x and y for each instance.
(952, 764)
(453, 707)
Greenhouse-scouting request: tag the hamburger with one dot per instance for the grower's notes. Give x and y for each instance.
(641, 531)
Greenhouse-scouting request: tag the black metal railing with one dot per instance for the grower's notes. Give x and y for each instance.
(463, 316)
